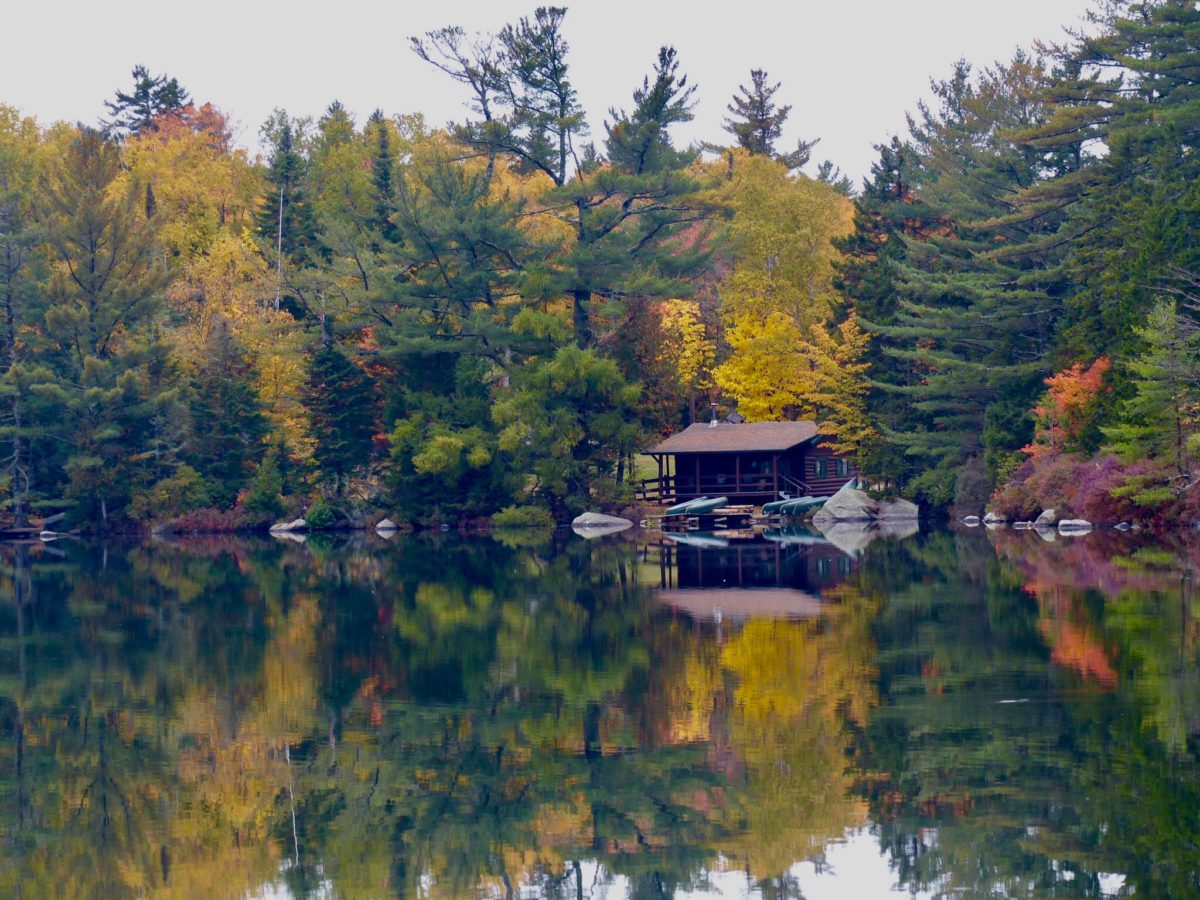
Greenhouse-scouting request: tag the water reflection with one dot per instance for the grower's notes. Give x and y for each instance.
(979, 713)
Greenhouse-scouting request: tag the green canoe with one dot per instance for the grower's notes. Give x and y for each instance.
(702, 507)
(680, 508)
(801, 505)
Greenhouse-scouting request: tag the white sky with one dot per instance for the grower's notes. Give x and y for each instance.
(849, 70)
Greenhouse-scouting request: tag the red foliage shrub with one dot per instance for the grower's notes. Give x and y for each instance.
(1078, 488)
(212, 520)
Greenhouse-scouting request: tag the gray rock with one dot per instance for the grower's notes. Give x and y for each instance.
(898, 510)
(847, 505)
(1123, 526)
(385, 525)
(595, 525)
(294, 525)
(1048, 517)
(991, 518)
(1022, 526)
(1074, 526)
(971, 521)
(1046, 533)
(599, 520)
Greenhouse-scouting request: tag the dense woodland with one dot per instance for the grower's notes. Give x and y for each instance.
(443, 323)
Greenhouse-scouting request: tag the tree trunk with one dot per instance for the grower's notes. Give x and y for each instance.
(582, 320)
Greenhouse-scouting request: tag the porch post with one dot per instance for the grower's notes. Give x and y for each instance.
(737, 472)
(698, 493)
(775, 473)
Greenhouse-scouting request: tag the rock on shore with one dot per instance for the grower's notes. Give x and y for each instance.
(852, 505)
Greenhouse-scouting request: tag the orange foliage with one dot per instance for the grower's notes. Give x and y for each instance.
(1063, 413)
(207, 120)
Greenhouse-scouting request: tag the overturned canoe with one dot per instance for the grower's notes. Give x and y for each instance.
(801, 505)
(703, 507)
(680, 508)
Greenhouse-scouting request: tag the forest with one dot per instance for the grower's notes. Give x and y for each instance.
(492, 318)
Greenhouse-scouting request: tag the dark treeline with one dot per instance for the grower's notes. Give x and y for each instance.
(445, 323)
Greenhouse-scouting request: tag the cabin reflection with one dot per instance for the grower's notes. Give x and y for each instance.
(775, 574)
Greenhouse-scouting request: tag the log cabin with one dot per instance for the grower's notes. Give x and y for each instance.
(751, 463)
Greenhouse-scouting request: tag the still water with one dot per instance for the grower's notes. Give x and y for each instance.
(948, 714)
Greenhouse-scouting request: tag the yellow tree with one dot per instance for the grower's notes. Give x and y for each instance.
(765, 370)
(780, 285)
(837, 391)
(688, 350)
(781, 231)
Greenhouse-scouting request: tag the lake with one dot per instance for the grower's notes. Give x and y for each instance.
(963, 713)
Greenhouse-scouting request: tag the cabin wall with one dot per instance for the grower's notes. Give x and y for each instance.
(739, 476)
(825, 472)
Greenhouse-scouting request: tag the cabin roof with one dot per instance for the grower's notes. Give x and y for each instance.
(748, 437)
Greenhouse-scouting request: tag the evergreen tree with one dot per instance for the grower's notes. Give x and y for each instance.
(228, 425)
(150, 97)
(521, 89)
(757, 122)
(626, 218)
(1161, 420)
(22, 273)
(887, 214)
(980, 296)
(100, 386)
(383, 166)
(342, 406)
(286, 222)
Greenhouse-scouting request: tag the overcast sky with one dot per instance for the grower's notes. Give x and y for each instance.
(849, 70)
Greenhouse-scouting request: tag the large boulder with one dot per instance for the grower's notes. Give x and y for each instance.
(294, 525)
(1048, 518)
(847, 505)
(385, 525)
(599, 520)
(898, 510)
(992, 518)
(594, 525)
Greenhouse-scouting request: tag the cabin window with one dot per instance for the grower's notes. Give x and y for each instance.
(842, 467)
(821, 467)
(845, 565)
(756, 465)
(824, 567)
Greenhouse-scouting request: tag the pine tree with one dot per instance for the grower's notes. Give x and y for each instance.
(521, 89)
(228, 425)
(150, 97)
(383, 165)
(22, 302)
(626, 218)
(102, 396)
(1161, 420)
(887, 215)
(286, 223)
(757, 122)
(981, 294)
(342, 405)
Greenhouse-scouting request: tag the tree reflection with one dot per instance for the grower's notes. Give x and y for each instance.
(1034, 732)
(439, 717)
